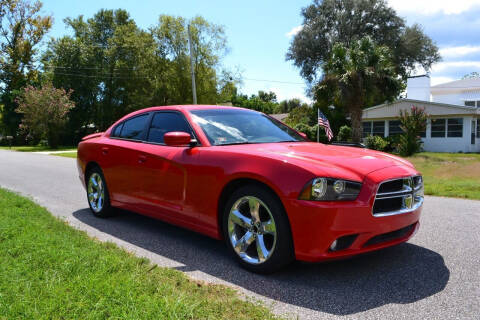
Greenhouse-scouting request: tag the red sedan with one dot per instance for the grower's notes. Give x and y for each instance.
(242, 176)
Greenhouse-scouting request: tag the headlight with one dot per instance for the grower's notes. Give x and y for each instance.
(328, 189)
(418, 188)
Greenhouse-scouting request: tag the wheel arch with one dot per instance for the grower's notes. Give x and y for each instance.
(238, 183)
(90, 165)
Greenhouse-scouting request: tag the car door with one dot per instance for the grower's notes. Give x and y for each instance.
(121, 159)
(165, 170)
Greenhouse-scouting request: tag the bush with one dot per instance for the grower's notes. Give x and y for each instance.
(345, 133)
(45, 112)
(409, 145)
(376, 143)
(392, 143)
(311, 132)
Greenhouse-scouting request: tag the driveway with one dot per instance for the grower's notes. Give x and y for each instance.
(436, 275)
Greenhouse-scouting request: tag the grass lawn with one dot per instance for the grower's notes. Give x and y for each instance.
(38, 148)
(49, 270)
(449, 174)
(70, 154)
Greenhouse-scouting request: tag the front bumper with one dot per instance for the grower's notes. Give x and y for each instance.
(316, 225)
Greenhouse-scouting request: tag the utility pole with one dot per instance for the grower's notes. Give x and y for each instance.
(192, 66)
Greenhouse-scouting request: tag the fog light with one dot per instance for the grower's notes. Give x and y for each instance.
(343, 243)
(333, 247)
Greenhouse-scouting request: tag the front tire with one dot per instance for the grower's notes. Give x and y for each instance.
(257, 231)
(97, 193)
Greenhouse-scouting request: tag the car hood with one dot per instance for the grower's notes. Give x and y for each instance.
(326, 160)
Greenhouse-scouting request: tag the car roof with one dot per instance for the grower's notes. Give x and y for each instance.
(190, 107)
(187, 107)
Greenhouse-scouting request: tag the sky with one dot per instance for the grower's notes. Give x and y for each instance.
(259, 33)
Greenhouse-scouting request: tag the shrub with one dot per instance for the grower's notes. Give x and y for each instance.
(345, 133)
(376, 143)
(413, 123)
(45, 112)
(392, 143)
(311, 132)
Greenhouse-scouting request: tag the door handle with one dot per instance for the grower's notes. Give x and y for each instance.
(142, 158)
(104, 150)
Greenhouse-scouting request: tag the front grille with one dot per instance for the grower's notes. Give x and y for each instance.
(398, 196)
(390, 236)
(391, 186)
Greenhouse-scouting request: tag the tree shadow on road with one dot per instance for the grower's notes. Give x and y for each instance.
(403, 274)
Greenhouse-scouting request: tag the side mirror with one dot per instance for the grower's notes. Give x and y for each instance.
(177, 139)
(303, 135)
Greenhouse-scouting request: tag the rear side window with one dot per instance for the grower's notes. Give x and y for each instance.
(164, 122)
(117, 130)
(133, 128)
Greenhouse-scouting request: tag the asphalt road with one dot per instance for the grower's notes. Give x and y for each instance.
(436, 275)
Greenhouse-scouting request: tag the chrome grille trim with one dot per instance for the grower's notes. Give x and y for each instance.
(411, 195)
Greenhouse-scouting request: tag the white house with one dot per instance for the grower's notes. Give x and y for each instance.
(453, 108)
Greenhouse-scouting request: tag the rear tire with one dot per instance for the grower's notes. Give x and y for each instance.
(97, 193)
(257, 230)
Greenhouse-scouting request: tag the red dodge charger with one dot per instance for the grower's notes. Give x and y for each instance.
(242, 176)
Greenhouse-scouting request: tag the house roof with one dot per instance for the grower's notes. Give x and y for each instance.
(392, 109)
(279, 116)
(463, 84)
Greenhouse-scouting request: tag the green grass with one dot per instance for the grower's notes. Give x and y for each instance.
(72, 154)
(49, 270)
(37, 148)
(449, 174)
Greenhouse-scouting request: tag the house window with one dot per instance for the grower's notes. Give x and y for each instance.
(423, 133)
(469, 103)
(455, 127)
(472, 103)
(438, 128)
(378, 128)
(478, 128)
(367, 128)
(394, 127)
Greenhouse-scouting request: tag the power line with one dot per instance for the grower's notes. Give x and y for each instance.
(70, 68)
(88, 68)
(99, 76)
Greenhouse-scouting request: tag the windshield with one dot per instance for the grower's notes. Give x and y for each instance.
(230, 126)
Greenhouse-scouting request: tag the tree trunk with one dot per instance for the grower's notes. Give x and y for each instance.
(357, 128)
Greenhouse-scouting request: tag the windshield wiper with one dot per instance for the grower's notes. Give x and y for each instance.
(233, 143)
(289, 141)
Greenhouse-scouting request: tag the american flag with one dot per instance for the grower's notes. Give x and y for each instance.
(323, 122)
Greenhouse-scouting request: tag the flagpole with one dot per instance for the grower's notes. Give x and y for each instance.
(318, 126)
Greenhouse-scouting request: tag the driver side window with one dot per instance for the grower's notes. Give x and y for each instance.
(164, 122)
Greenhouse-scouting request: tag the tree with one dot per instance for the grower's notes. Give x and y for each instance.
(267, 96)
(472, 75)
(328, 22)
(45, 112)
(22, 27)
(412, 124)
(109, 63)
(357, 77)
(114, 67)
(209, 47)
(265, 102)
(301, 115)
(289, 105)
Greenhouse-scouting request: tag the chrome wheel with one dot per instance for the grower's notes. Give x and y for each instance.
(251, 230)
(96, 192)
